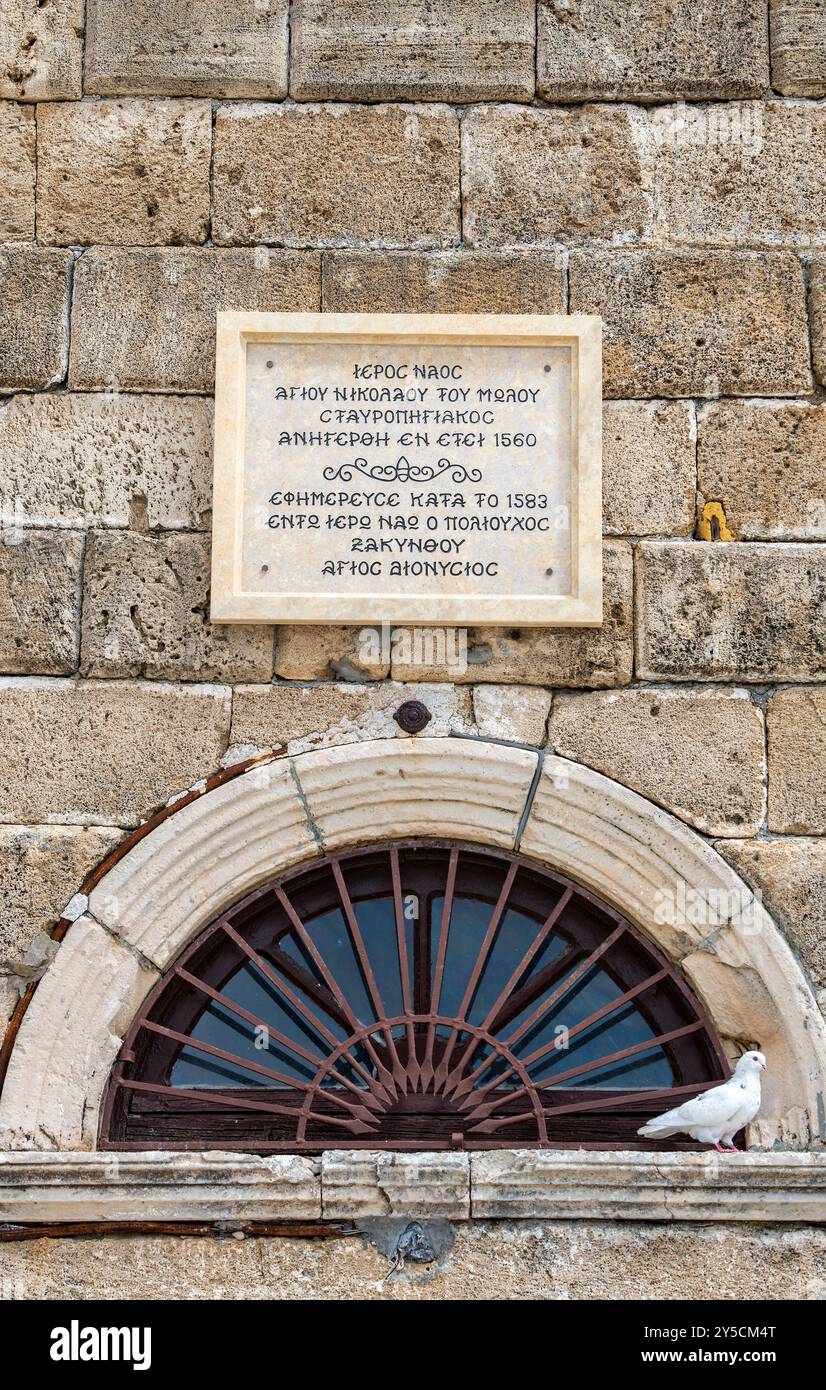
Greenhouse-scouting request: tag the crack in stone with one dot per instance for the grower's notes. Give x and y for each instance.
(309, 818)
(143, 961)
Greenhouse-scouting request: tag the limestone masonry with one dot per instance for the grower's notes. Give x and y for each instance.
(659, 165)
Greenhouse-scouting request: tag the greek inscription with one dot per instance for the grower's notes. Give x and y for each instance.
(413, 468)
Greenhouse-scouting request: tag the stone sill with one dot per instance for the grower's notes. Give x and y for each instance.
(352, 1184)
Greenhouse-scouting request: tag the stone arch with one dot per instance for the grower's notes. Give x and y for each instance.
(175, 875)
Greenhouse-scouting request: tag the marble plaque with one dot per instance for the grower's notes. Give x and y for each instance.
(410, 468)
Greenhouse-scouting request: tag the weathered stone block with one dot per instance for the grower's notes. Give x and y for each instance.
(358, 1183)
(41, 49)
(454, 50)
(187, 48)
(41, 869)
(731, 612)
(18, 138)
(40, 576)
(640, 858)
(791, 876)
(766, 466)
(444, 282)
(326, 652)
(817, 299)
(721, 175)
(597, 657)
(516, 713)
(695, 324)
(669, 1187)
(336, 175)
(34, 288)
(316, 716)
(359, 792)
(646, 52)
(798, 47)
(649, 469)
(94, 987)
(797, 762)
(547, 178)
(741, 175)
(697, 753)
(123, 171)
(146, 613)
(105, 753)
(157, 1184)
(72, 459)
(151, 899)
(145, 320)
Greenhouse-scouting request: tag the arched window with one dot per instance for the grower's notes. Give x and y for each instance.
(411, 996)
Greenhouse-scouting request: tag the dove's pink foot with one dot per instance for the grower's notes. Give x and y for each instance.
(718, 1146)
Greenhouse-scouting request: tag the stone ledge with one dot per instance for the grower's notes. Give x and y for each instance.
(156, 1186)
(609, 1186)
(374, 1183)
(527, 1184)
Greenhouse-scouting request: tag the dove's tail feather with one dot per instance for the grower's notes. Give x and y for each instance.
(660, 1127)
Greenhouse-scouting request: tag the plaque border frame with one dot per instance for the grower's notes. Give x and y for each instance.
(581, 332)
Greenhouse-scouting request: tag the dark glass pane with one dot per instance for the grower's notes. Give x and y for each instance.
(469, 921)
(623, 1028)
(292, 945)
(647, 1071)
(329, 934)
(195, 1069)
(377, 923)
(251, 989)
(550, 950)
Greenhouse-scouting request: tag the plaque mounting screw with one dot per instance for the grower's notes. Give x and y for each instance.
(412, 716)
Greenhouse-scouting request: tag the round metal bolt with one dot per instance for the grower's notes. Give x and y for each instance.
(412, 716)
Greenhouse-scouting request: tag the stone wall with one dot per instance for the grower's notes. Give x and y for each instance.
(660, 165)
(166, 161)
(478, 1260)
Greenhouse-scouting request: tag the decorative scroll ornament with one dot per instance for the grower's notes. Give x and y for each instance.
(403, 471)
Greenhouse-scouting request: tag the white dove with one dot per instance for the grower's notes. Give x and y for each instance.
(716, 1114)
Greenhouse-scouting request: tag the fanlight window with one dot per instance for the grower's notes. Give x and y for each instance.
(411, 996)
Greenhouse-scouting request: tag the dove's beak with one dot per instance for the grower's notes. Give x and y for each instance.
(762, 1066)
